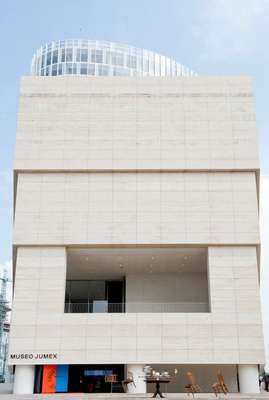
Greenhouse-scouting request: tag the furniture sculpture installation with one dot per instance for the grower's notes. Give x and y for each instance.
(157, 382)
(128, 381)
(192, 387)
(220, 386)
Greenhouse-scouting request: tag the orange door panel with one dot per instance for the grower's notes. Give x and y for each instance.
(49, 379)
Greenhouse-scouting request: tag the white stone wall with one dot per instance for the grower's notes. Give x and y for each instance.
(157, 161)
(231, 333)
(136, 208)
(81, 123)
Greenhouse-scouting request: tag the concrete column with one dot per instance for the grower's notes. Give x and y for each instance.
(139, 378)
(248, 378)
(24, 379)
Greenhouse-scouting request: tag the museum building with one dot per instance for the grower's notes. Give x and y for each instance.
(136, 232)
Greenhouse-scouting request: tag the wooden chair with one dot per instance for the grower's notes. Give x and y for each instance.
(220, 386)
(192, 387)
(111, 379)
(128, 381)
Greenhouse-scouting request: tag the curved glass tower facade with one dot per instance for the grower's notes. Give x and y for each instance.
(101, 58)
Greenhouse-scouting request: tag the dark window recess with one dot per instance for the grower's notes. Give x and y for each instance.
(95, 296)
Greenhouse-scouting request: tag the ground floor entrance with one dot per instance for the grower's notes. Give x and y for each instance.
(95, 378)
(136, 378)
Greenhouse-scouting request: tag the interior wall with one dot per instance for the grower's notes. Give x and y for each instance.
(167, 288)
(205, 376)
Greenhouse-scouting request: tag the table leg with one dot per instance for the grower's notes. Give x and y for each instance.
(158, 391)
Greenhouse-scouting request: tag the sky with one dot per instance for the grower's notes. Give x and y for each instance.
(213, 37)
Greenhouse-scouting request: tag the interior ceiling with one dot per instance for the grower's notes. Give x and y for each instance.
(98, 263)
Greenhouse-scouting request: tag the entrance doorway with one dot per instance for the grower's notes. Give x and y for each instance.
(92, 378)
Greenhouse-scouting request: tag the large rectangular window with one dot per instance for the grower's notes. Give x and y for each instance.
(140, 280)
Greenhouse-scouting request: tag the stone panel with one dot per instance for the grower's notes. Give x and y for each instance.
(104, 123)
(136, 208)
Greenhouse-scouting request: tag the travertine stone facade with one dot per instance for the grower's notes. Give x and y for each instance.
(125, 208)
(80, 123)
(147, 161)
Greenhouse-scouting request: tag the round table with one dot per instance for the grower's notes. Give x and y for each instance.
(157, 383)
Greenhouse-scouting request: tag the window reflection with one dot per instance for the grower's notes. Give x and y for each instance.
(63, 55)
(84, 55)
(91, 69)
(54, 70)
(69, 68)
(83, 69)
(69, 54)
(49, 58)
(120, 71)
(131, 61)
(103, 70)
(116, 58)
(146, 64)
(99, 56)
(96, 56)
(108, 57)
(55, 57)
